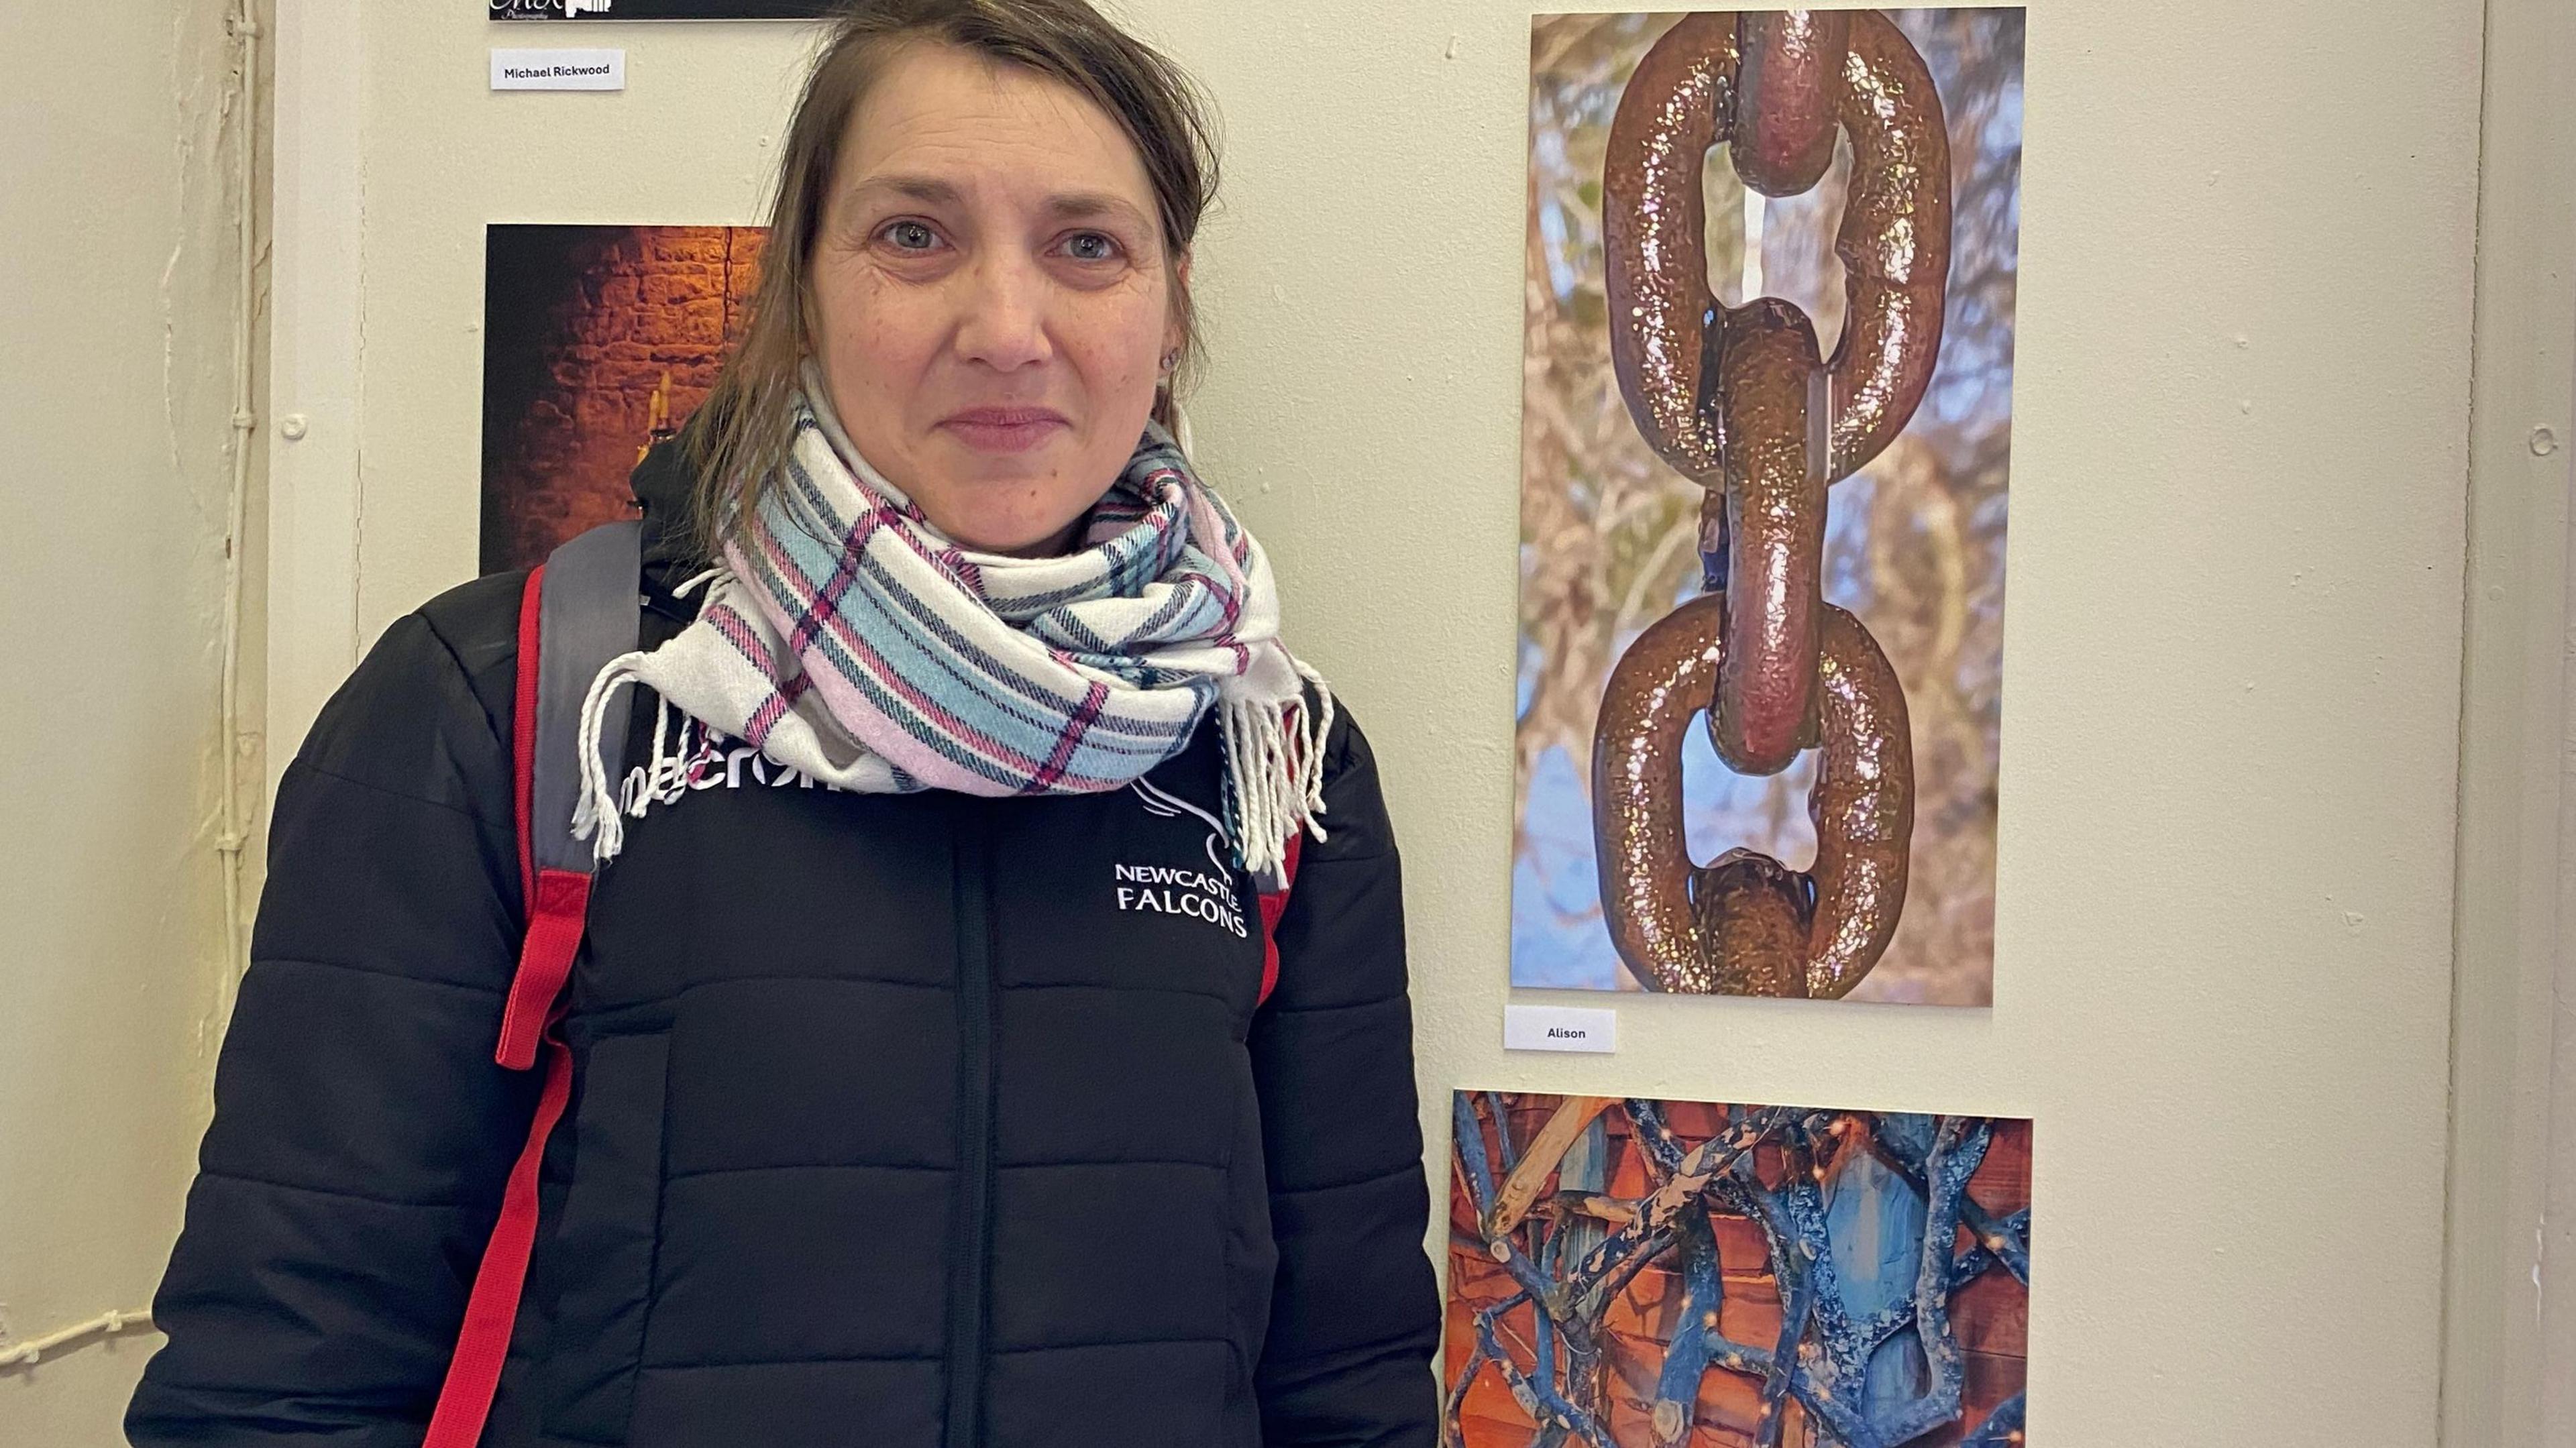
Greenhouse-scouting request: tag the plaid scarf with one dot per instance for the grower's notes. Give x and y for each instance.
(847, 637)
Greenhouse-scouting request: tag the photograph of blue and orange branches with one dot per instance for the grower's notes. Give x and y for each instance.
(1765, 451)
(1629, 1273)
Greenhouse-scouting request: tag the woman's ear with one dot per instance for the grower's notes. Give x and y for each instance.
(1176, 333)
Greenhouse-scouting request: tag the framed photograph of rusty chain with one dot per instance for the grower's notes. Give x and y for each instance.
(598, 342)
(1627, 1273)
(1765, 448)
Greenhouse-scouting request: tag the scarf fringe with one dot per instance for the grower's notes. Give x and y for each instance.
(1274, 758)
(600, 808)
(595, 812)
(1274, 764)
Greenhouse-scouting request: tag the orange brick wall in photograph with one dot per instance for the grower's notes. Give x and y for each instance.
(598, 341)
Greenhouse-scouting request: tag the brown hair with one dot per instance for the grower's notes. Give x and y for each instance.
(739, 436)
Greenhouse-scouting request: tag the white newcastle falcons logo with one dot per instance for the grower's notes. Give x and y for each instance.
(1182, 890)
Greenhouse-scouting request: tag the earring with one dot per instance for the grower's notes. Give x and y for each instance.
(1171, 359)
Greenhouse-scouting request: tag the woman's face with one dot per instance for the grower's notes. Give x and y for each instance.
(992, 296)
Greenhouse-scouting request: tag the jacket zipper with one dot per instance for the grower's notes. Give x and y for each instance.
(972, 1234)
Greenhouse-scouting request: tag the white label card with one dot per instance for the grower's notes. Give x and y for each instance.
(577, 70)
(1559, 1028)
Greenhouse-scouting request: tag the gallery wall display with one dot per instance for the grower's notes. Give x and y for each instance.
(598, 341)
(662, 9)
(1626, 1273)
(1766, 428)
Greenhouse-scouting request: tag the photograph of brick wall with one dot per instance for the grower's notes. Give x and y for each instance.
(598, 341)
(1626, 1273)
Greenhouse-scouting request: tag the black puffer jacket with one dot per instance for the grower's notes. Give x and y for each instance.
(900, 1121)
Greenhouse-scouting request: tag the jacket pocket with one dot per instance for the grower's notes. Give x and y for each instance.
(605, 1244)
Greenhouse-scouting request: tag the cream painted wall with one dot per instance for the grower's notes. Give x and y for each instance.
(2222, 982)
(118, 209)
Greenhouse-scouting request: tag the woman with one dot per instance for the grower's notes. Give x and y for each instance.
(937, 1106)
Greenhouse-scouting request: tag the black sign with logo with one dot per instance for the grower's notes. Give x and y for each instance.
(662, 9)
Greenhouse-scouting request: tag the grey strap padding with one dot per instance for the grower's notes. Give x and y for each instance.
(589, 605)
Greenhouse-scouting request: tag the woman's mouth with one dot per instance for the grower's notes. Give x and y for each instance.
(1004, 429)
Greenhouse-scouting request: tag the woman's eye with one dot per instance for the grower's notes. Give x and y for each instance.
(910, 236)
(1090, 246)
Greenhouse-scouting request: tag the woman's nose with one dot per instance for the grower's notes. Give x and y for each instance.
(1003, 321)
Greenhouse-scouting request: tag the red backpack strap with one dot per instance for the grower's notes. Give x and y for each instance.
(577, 613)
(1272, 897)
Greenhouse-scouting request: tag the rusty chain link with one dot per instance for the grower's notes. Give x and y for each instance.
(1748, 925)
(1739, 400)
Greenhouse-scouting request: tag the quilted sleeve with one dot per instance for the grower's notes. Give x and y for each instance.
(361, 1131)
(1355, 1317)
